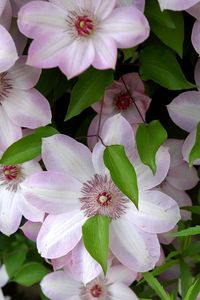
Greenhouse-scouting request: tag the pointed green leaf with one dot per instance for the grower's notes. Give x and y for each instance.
(159, 63)
(194, 290)
(194, 209)
(122, 171)
(27, 148)
(96, 239)
(156, 286)
(187, 232)
(195, 152)
(148, 139)
(185, 277)
(88, 90)
(30, 274)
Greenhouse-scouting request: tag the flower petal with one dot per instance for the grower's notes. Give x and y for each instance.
(38, 17)
(140, 4)
(134, 248)
(187, 147)
(196, 36)
(8, 52)
(27, 108)
(184, 110)
(63, 154)
(176, 4)
(3, 276)
(120, 273)
(52, 192)
(60, 234)
(31, 230)
(174, 146)
(127, 26)
(120, 291)
(60, 286)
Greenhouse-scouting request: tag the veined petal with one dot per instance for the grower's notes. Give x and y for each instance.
(77, 57)
(134, 248)
(175, 146)
(29, 211)
(10, 216)
(176, 4)
(120, 291)
(22, 76)
(47, 49)
(27, 108)
(103, 8)
(60, 234)
(10, 132)
(52, 192)
(63, 154)
(157, 212)
(187, 147)
(120, 273)
(38, 17)
(93, 129)
(60, 286)
(196, 36)
(31, 229)
(8, 51)
(137, 3)
(184, 110)
(127, 26)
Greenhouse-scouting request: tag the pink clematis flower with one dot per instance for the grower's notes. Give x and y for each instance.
(180, 177)
(77, 186)
(117, 98)
(184, 110)
(176, 4)
(140, 4)
(20, 103)
(61, 285)
(17, 4)
(76, 34)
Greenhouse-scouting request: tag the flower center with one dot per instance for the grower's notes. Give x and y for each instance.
(96, 291)
(123, 102)
(99, 196)
(10, 172)
(5, 85)
(84, 25)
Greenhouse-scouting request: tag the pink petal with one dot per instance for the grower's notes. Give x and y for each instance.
(120, 273)
(29, 211)
(8, 52)
(63, 261)
(9, 131)
(188, 145)
(105, 52)
(127, 25)
(120, 291)
(195, 11)
(139, 250)
(197, 73)
(137, 3)
(52, 192)
(175, 146)
(5, 14)
(176, 4)
(102, 9)
(183, 177)
(10, 216)
(157, 212)
(145, 177)
(31, 230)
(3, 276)
(23, 77)
(93, 129)
(166, 238)
(38, 17)
(60, 234)
(32, 109)
(19, 39)
(60, 286)
(184, 110)
(63, 154)
(196, 36)
(77, 57)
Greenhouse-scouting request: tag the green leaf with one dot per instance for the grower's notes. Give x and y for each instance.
(122, 171)
(156, 286)
(161, 27)
(195, 152)
(194, 290)
(30, 274)
(185, 276)
(194, 209)
(158, 63)
(96, 238)
(148, 139)
(27, 148)
(153, 12)
(192, 249)
(88, 90)
(15, 258)
(187, 232)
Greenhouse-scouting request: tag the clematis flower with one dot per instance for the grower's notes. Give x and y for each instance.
(61, 285)
(20, 103)
(75, 35)
(78, 186)
(137, 3)
(176, 4)
(117, 99)
(180, 177)
(184, 110)
(17, 4)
